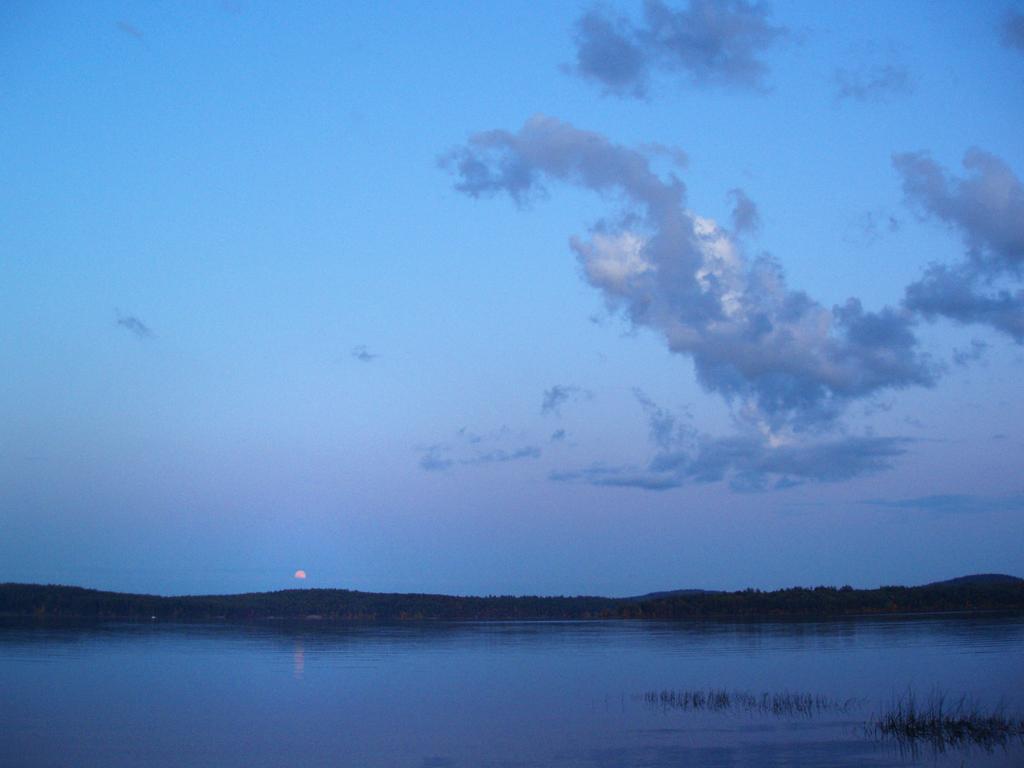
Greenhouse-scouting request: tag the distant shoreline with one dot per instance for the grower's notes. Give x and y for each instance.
(968, 594)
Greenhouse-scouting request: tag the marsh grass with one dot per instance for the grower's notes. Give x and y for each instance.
(784, 704)
(943, 722)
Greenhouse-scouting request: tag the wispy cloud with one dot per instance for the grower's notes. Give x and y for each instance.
(501, 456)
(434, 459)
(666, 430)
(560, 394)
(709, 42)
(749, 461)
(362, 354)
(468, 449)
(972, 354)
(876, 84)
(467, 435)
(134, 325)
(870, 226)
(437, 458)
(618, 477)
(130, 29)
(953, 503)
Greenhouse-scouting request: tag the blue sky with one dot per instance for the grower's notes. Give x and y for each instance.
(505, 297)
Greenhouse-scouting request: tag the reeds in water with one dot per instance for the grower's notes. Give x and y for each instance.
(943, 722)
(784, 704)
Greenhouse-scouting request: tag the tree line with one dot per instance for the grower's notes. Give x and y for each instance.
(965, 594)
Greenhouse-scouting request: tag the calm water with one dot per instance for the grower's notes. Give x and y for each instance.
(515, 694)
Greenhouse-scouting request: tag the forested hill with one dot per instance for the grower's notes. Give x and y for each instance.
(33, 599)
(977, 579)
(983, 593)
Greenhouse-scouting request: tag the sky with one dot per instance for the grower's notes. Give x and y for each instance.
(493, 298)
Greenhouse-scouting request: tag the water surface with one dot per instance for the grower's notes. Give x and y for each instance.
(485, 694)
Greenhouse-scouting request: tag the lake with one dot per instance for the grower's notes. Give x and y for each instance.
(490, 694)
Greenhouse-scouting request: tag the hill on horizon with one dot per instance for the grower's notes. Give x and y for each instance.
(959, 581)
(977, 578)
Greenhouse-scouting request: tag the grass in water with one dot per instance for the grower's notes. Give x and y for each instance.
(719, 700)
(943, 722)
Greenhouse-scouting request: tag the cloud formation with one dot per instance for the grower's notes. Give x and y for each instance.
(870, 226)
(501, 455)
(135, 326)
(873, 84)
(748, 461)
(710, 42)
(987, 208)
(665, 429)
(960, 294)
(559, 394)
(607, 52)
(361, 353)
(677, 156)
(785, 362)
(436, 459)
(963, 357)
(467, 451)
(130, 29)
(953, 503)
(745, 217)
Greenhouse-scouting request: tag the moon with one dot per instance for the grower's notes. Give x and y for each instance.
(300, 574)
